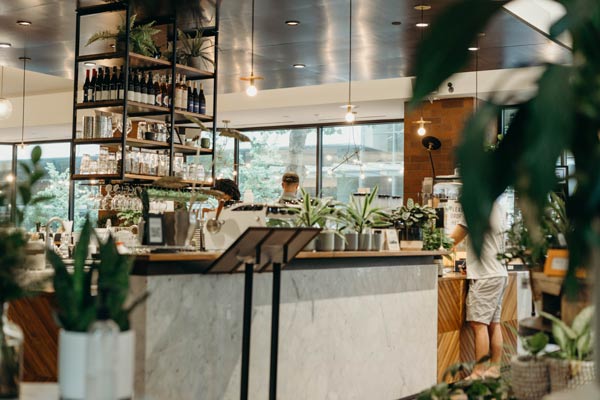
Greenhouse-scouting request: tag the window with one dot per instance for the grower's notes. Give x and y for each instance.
(56, 183)
(5, 170)
(270, 154)
(363, 156)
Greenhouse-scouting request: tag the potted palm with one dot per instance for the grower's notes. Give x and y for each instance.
(360, 216)
(77, 309)
(316, 212)
(573, 364)
(13, 280)
(195, 50)
(140, 37)
(529, 372)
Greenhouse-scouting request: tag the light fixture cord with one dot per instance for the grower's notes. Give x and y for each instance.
(2, 84)
(350, 59)
(252, 55)
(420, 44)
(23, 113)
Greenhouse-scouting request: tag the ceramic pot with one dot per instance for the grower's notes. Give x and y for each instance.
(72, 351)
(339, 243)
(311, 245)
(325, 241)
(198, 63)
(351, 241)
(376, 241)
(11, 356)
(565, 374)
(364, 242)
(530, 377)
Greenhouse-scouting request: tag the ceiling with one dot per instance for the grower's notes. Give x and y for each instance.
(380, 50)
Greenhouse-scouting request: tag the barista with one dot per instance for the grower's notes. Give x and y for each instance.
(231, 193)
(289, 183)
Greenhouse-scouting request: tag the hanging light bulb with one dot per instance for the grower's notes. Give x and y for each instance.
(5, 104)
(350, 115)
(421, 131)
(251, 90)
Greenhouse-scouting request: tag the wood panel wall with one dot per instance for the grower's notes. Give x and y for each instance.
(455, 338)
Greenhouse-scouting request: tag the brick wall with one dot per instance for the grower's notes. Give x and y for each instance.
(447, 120)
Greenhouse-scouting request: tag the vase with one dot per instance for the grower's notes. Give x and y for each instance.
(351, 241)
(72, 352)
(376, 241)
(530, 378)
(325, 241)
(566, 374)
(339, 243)
(364, 242)
(198, 63)
(11, 356)
(311, 245)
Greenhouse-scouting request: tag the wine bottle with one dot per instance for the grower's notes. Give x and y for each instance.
(190, 97)
(157, 91)
(113, 85)
(93, 85)
(121, 85)
(151, 93)
(130, 87)
(177, 93)
(98, 86)
(144, 89)
(168, 99)
(201, 101)
(184, 94)
(137, 94)
(86, 87)
(196, 99)
(106, 84)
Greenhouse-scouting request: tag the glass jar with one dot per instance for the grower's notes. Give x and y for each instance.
(178, 165)
(84, 167)
(200, 173)
(11, 356)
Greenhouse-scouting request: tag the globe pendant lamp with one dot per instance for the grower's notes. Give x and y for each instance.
(350, 116)
(251, 90)
(5, 104)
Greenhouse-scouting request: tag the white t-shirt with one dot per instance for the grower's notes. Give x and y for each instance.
(488, 266)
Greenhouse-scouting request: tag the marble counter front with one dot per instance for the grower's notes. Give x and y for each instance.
(350, 328)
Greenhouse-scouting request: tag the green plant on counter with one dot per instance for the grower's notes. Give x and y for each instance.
(414, 215)
(313, 211)
(576, 342)
(140, 37)
(360, 215)
(129, 217)
(77, 306)
(195, 46)
(436, 239)
(562, 115)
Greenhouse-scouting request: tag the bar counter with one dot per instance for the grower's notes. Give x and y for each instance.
(353, 325)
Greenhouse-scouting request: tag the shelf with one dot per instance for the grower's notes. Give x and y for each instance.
(111, 140)
(139, 177)
(194, 73)
(135, 109)
(147, 143)
(89, 177)
(197, 183)
(181, 148)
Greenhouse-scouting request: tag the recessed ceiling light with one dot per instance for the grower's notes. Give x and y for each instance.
(422, 24)
(292, 22)
(299, 66)
(5, 45)
(23, 22)
(396, 23)
(89, 63)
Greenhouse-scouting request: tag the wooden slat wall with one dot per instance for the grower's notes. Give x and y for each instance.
(35, 317)
(455, 338)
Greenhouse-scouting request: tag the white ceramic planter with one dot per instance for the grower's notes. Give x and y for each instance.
(72, 350)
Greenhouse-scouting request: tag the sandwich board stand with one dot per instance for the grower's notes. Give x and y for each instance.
(261, 249)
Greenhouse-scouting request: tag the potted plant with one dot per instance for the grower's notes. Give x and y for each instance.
(572, 365)
(436, 239)
(412, 218)
(360, 216)
(316, 212)
(77, 309)
(530, 379)
(140, 37)
(13, 263)
(194, 50)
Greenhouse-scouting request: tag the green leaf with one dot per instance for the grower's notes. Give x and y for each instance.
(583, 321)
(568, 332)
(36, 154)
(444, 50)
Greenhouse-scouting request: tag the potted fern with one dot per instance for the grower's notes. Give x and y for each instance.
(530, 379)
(77, 309)
(194, 50)
(572, 366)
(140, 37)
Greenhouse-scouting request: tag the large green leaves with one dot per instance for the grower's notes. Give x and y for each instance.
(444, 50)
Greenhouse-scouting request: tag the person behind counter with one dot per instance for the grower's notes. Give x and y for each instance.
(289, 183)
(231, 193)
(487, 282)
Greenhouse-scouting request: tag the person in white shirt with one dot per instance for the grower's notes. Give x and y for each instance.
(487, 283)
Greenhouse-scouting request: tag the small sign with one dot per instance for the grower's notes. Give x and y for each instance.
(391, 239)
(156, 229)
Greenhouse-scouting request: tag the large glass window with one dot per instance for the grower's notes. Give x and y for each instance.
(270, 154)
(363, 156)
(55, 161)
(5, 170)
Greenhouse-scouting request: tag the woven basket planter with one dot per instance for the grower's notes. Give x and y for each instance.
(565, 374)
(530, 378)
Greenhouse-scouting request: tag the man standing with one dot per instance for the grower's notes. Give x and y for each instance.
(289, 183)
(487, 282)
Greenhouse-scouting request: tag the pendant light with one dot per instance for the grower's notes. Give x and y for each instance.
(5, 104)
(350, 116)
(22, 145)
(251, 90)
(421, 131)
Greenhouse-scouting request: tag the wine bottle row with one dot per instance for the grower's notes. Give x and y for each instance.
(144, 87)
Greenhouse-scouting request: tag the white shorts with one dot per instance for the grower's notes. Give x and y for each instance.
(484, 299)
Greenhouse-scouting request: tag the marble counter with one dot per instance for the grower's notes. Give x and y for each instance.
(360, 328)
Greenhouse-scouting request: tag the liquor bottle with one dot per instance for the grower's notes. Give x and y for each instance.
(150, 88)
(130, 87)
(137, 94)
(93, 85)
(98, 86)
(196, 99)
(106, 84)
(170, 93)
(144, 89)
(184, 94)
(86, 87)
(157, 91)
(190, 97)
(177, 93)
(113, 85)
(121, 85)
(201, 101)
